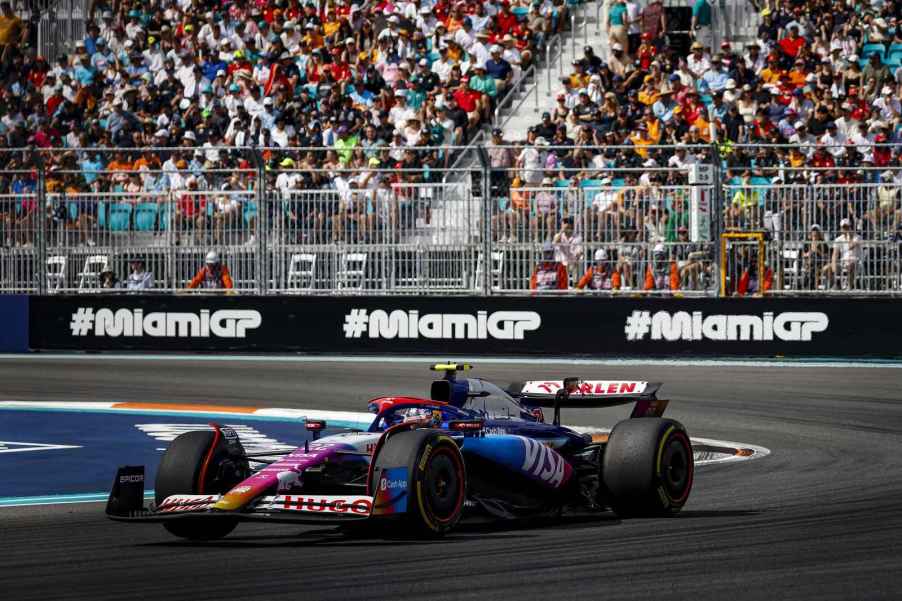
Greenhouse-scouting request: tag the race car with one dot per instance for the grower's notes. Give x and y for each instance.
(469, 450)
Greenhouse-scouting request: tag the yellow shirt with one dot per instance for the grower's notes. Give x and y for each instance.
(579, 81)
(654, 129)
(639, 141)
(769, 75)
(10, 29)
(648, 98)
(315, 40)
(330, 27)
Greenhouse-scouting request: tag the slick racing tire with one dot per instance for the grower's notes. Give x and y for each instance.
(180, 472)
(648, 467)
(437, 485)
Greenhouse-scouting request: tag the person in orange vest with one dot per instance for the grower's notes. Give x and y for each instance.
(599, 275)
(213, 275)
(549, 274)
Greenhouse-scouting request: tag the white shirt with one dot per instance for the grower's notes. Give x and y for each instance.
(531, 159)
(848, 245)
(633, 11)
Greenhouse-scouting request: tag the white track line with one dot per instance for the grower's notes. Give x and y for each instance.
(376, 359)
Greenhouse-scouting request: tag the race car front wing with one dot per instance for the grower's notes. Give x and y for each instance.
(126, 503)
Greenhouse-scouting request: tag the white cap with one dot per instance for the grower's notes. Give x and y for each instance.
(189, 135)
(162, 133)
(601, 255)
(886, 90)
(616, 46)
(731, 84)
(212, 258)
(220, 73)
(267, 100)
(496, 48)
(349, 40)
(184, 104)
(845, 222)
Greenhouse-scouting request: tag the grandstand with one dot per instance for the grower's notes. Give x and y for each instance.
(455, 147)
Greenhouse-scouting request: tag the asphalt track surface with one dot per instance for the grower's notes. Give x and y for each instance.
(820, 518)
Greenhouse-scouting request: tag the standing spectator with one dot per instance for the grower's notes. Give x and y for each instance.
(634, 25)
(701, 23)
(568, 248)
(654, 23)
(501, 159)
(618, 19)
(139, 278)
(213, 275)
(549, 274)
(13, 33)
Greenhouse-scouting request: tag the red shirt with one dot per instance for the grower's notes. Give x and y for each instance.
(824, 160)
(506, 23)
(791, 46)
(466, 99)
(340, 71)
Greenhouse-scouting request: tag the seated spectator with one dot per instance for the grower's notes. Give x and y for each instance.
(549, 274)
(599, 275)
(108, 279)
(139, 278)
(815, 255)
(845, 257)
(214, 275)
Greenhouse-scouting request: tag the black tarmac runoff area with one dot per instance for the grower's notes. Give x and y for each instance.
(819, 518)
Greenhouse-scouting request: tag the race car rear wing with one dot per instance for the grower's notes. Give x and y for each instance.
(586, 394)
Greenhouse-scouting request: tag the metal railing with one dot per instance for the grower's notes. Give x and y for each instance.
(462, 229)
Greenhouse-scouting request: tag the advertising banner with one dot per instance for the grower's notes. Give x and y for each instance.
(14, 333)
(466, 325)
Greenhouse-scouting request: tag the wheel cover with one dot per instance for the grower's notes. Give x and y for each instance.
(677, 467)
(443, 485)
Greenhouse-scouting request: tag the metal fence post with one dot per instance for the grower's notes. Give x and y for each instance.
(41, 210)
(547, 69)
(572, 35)
(718, 209)
(260, 262)
(598, 15)
(487, 262)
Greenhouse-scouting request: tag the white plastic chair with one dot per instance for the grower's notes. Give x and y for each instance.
(352, 271)
(89, 279)
(56, 273)
(302, 271)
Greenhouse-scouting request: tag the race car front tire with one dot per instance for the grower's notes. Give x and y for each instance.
(180, 473)
(437, 484)
(648, 467)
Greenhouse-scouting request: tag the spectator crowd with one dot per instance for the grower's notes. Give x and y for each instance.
(378, 91)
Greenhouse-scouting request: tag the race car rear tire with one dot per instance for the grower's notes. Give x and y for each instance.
(437, 485)
(179, 473)
(648, 467)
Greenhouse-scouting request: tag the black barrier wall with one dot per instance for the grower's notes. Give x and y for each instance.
(465, 326)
